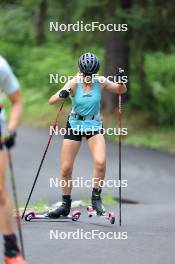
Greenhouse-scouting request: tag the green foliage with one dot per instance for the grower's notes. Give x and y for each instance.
(160, 71)
(151, 28)
(16, 25)
(32, 65)
(45, 60)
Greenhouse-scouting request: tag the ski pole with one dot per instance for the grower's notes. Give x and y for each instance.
(12, 174)
(42, 160)
(120, 154)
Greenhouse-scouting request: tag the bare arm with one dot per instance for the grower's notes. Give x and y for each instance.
(16, 110)
(71, 84)
(119, 88)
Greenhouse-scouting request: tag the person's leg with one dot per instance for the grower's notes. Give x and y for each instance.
(68, 154)
(69, 151)
(97, 147)
(11, 250)
(6, 213)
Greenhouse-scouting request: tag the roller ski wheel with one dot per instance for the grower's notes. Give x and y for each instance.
(29, 216)
(110, 216)
(74, 216)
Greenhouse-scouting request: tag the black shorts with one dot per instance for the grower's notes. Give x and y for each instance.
(77, 136)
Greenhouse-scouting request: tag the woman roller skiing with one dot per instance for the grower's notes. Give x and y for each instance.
(10, 86)
(85, 93)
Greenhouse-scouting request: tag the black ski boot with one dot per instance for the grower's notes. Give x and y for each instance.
(62, 210)
(10, 246)
(97, 202)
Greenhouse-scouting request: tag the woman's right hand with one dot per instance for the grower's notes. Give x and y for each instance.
(62, 94)
(53, 99)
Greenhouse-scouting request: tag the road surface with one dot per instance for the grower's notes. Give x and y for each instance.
(149, 224)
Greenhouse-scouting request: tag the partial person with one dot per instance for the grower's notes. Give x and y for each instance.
(9, 86)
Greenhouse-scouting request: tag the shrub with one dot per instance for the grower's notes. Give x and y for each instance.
(160, 72)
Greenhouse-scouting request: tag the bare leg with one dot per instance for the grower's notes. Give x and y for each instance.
(6, 211)
(68, 154)
(97, 147)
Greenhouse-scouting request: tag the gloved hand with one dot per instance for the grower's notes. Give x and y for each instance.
(9, 139)
(64, 93)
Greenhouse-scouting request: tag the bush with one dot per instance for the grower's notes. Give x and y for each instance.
(16, 25)
(160, 72)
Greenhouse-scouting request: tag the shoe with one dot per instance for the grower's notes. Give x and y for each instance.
(97, 204)
(62, 210)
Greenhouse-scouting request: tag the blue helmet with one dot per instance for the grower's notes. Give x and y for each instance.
(89, 64)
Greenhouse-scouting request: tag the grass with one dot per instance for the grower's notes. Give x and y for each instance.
(39, 207)
(42, 205)
(107, 200)
(141, 132)
(162, 139)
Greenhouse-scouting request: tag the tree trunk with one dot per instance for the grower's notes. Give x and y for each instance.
(116, 55)
(40, 21)
(146, 98)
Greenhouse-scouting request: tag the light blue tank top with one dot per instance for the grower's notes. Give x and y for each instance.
(86, 104)
(8, 85)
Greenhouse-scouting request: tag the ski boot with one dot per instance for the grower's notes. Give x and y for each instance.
(12, 252)
(97, 202)
(97, 208)
(62, 210)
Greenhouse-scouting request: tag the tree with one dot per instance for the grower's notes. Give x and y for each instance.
(152, 30)
(41, 12)
(117, 50)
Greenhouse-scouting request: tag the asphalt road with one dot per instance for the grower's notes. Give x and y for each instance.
(149, 224)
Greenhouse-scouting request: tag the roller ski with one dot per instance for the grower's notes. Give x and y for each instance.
(62, 212)
(97, 208)
(31, 215)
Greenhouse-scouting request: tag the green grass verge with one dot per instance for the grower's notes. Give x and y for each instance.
(142, 132)
(162, 139)
(39, 207)
(42, 205)
(107, 200)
